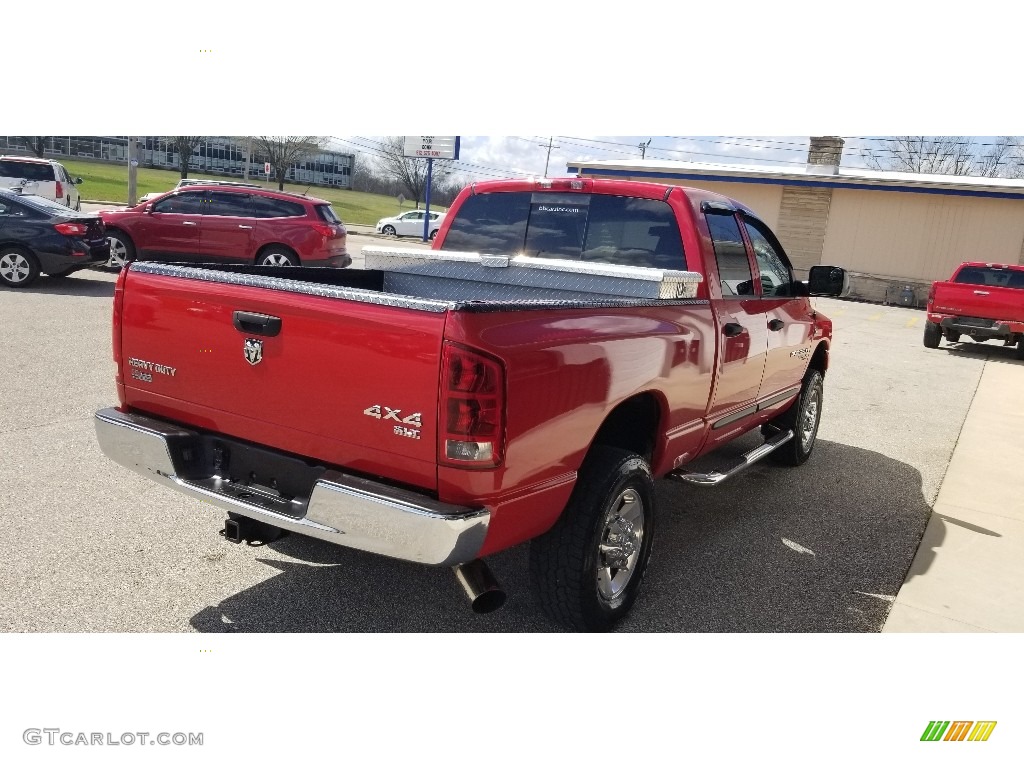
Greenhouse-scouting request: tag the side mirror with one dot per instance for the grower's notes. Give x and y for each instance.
(148, 208)
(78, 180)
(828, 281)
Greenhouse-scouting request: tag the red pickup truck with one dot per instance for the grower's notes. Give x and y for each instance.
(981, 300)
(564, 343)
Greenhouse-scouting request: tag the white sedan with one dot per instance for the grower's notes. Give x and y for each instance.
(410, 224)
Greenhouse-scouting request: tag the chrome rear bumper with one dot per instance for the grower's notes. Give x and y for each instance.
(342, 509)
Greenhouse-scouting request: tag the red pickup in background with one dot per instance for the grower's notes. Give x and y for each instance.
(982, 300)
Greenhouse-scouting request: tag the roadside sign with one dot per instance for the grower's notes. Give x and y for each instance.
(432, 147)
(266, 168)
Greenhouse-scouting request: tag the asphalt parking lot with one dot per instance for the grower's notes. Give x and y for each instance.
(89, 546)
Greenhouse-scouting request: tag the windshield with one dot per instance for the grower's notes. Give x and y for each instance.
(603, 228)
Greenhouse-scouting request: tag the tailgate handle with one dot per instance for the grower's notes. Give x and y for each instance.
(257, 324)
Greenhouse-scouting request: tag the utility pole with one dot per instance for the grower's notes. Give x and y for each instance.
(550, 146)
(643, 148)
(133, 167)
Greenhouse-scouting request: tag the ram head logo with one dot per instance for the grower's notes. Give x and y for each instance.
(253, 351)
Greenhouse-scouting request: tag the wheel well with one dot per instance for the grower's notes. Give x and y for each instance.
(632, 425)
(277, 247)
(819, 360)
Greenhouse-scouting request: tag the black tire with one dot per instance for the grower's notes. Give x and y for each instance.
(572, 579)
(433, 234)
(122, 249)
(952, 336)
(803, 417)
(389, 231)
(1019, 353)
(277, 257)
(932, 334)
(18, 267)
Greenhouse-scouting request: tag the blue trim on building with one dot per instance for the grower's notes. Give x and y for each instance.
(795, 182)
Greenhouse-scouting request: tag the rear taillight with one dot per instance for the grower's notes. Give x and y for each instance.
(471, 423)
(70, 228)
(115, 329)
(60, 190)
(931, 294)
(324, 229)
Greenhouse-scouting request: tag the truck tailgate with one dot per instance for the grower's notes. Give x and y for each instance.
(983, 301)
(344, 382)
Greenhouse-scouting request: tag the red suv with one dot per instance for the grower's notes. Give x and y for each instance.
(211, 223)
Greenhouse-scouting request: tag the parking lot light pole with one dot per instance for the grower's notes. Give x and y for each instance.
(133, 167)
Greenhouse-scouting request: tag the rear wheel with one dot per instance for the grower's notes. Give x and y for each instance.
(803, 417)
(952, 336)
(587, 570)
(18, 267)
(277, 257)
(122, 249)
(932, 334)
(433, 234)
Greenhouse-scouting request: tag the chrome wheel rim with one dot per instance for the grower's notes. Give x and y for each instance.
(622, 536)
(276, 260)
(118, 253)
(14, 268)
(809, 419)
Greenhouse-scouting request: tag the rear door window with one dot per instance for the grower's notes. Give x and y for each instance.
(272, 208)
(730, 253)
(604, 228)
(228, 204)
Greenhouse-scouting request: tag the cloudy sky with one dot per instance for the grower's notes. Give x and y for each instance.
(489, 157)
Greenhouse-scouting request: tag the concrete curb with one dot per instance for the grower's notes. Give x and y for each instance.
(966, 574)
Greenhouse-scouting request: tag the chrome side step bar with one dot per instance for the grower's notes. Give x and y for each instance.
(746, 460)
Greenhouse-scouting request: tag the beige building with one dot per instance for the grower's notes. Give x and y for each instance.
(890, 230)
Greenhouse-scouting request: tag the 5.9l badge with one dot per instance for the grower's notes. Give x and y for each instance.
(407, 426)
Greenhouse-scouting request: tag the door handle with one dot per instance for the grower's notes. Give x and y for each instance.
(244, 226)
(732, 329)
(188, 223)
(776, 325)
(257, 324)
(981, 293)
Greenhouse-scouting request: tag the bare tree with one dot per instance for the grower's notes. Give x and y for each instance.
(283, 152)
(409, 172)
(185, 146)
(950, 155)
(36, 143)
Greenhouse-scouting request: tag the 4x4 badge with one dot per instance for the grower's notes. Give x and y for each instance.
(253, 351)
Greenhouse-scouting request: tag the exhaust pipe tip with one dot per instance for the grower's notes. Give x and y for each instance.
(484, 593)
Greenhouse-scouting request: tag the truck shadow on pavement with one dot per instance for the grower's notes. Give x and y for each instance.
(982, 351)
(819, 548)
